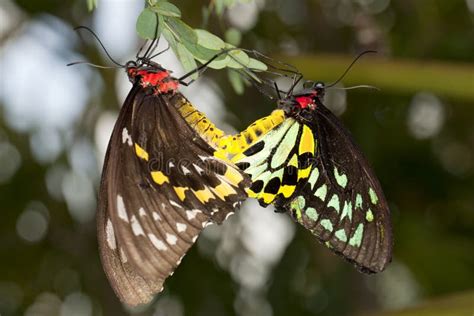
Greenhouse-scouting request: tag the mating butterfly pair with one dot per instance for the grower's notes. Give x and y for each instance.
(166, 176)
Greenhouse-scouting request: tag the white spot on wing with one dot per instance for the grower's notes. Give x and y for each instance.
(180, 259)
(123, 257)
(122, 213)
(109, 231)
(141, 211)
(181, 227)
(191, 214)
(171, 239)
(156, 216)
(195, 238)
(228, 215)
(171, 164)
(185, 170)
(126, 138)
(160, 245)
(136, 227)
(198, 169)
(175, 204)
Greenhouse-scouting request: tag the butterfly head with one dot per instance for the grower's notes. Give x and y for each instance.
(303, 104)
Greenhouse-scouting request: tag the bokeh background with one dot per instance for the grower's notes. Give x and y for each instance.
(417, 131)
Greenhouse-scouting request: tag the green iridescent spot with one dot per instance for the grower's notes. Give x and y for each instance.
(358, 203)
(373, 197)
(327, 224)
(321, 192)
(369, 216)
(341, 178)
(297, 205)
(334, 202)
(347, 210)
(311, 213)
(313, 177)
(356, 239)
(341, 235)
(301, 202)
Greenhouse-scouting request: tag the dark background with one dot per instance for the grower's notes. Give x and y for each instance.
(417, 132)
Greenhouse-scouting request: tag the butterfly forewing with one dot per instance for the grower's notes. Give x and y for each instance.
(161, 185)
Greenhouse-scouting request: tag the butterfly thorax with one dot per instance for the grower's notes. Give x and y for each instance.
(303, 105)
(151, 75)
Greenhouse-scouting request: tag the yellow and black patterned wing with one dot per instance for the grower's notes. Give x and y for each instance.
(161, 185)
(342, 202)
(314, 171)
(278, 161)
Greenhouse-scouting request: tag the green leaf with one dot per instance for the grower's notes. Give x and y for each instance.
(236, 81)
(255, 64)
(146, 24)
(239, 59)
(167, 9)
(209, 40)
(186, 59)
(170, 39)
(182, 32)
(233, 36)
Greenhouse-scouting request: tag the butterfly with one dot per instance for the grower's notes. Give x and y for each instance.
(161, 184)
(305, 162)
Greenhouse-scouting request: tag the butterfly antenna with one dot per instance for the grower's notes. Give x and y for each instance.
(92, 65)
(350, 66)
(100, 43)
(357, 87)
(161, 52)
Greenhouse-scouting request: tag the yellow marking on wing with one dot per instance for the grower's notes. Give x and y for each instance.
(250, 193)
(180, 192)
(223, 190)
(140, 152)
(306, 141)
(287, 190)
(221, 154)
(267, 197)
(304, 173)
(233, 176)
(204, 195)
(293, 161)
(159, 177)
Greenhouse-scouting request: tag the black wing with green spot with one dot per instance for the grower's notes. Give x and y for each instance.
(342, 202)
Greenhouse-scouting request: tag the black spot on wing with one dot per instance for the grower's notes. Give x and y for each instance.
(254, 149)
(272, 186)
(290, 176)
(257, 186)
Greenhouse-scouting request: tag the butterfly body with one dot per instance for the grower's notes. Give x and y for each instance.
(161, 185)
(308, 166)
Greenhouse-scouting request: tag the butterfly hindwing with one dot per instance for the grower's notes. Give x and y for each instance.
(314, 171)
(342, 202)
(161, 186)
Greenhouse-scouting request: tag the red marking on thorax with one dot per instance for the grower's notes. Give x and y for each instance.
(161, 81)
(304, 101)
(152, 78)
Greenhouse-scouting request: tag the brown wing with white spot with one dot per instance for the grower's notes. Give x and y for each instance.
(160, 187)
(342, 202)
